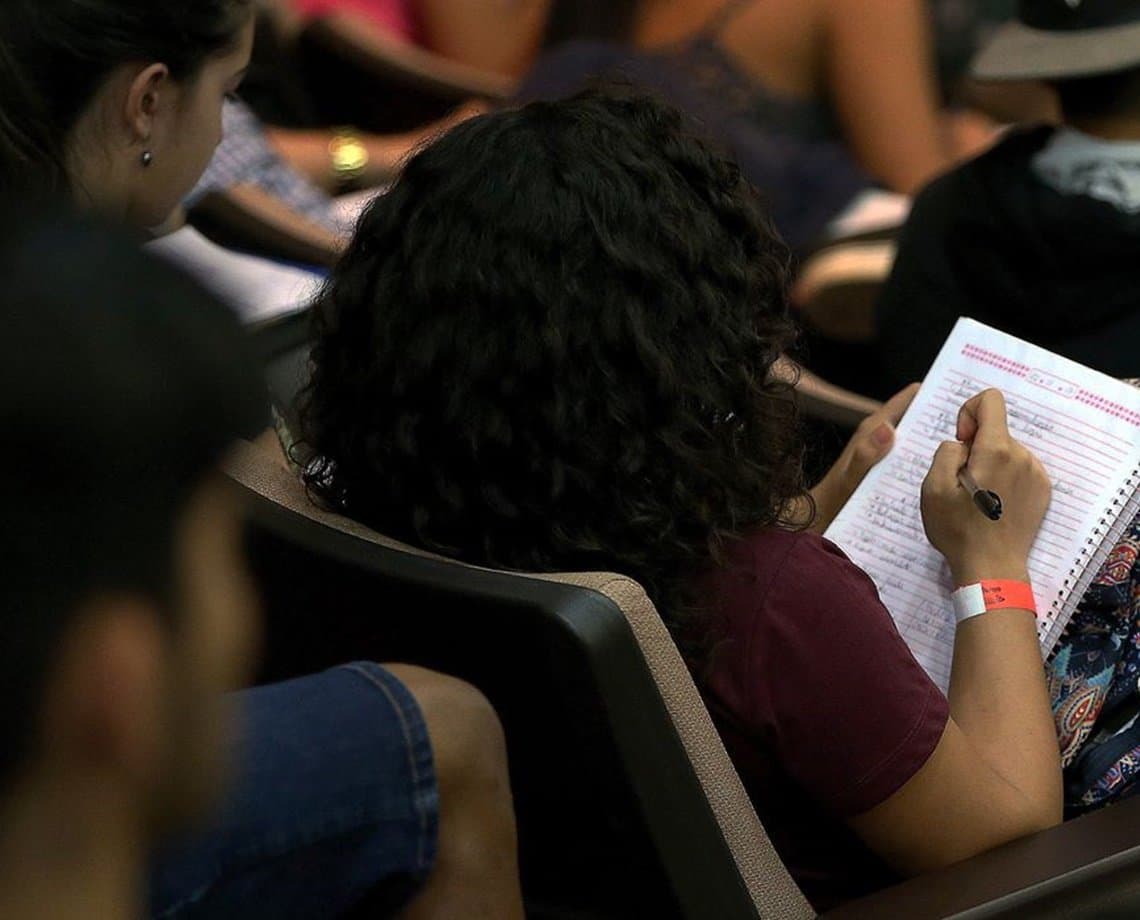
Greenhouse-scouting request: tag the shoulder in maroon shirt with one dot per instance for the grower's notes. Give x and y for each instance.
(821, 704)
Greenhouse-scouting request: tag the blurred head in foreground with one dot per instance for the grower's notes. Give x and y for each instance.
(125, 604)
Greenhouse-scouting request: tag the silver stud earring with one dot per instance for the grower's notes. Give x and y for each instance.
(147, 159)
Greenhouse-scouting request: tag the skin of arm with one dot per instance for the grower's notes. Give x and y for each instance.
(360, 40)
(176, 221)
(500, 36)
(871, 442)
(308, 151)
(881, 78)
(996, 773)
(1013, 103)
(263, 222)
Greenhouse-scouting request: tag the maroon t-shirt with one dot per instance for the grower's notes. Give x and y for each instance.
(821, 705)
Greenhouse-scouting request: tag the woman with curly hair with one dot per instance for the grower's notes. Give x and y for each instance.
(551, 348)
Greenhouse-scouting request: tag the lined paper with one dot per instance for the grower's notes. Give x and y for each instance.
(1082, 425)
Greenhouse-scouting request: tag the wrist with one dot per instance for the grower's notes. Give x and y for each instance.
(349, 158)
(982, 597)
(828, 498)
(972, 571)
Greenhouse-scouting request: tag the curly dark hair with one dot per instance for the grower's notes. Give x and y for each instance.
(548, 348)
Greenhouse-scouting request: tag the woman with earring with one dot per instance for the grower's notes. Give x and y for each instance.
(127, 141)
(346, 782)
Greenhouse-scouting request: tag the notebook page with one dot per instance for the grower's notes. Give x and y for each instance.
(257, 289)
(1082, 425)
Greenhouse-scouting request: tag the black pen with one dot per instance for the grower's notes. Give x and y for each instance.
(989, 503)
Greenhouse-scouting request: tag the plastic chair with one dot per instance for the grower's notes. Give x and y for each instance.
(824, 401)
(628, 804)
(839, 286)
(284, 346)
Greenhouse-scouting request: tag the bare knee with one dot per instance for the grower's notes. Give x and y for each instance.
(466, 735)
(476, 872)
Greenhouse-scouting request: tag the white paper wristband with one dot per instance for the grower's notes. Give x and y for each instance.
(969, 602)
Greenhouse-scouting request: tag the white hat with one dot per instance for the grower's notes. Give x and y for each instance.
(1063, 39)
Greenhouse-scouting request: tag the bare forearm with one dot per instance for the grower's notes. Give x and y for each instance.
(872, 440)
(919, 161)
(999, 700)
(385, 55)
(267, 224)
(881, 74)
(1013, 103)
(995, 776)
(497, 36)
(996, 773)
(308, 153)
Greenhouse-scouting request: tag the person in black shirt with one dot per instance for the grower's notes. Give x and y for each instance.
(1038, 236)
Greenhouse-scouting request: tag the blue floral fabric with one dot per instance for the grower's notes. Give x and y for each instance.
(1093, 682)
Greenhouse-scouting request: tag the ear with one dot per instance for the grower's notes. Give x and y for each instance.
(145, 97)
(103, 706)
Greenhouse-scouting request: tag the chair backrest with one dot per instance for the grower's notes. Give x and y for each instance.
(821, 400)
(838, 287)
(284, 346)
(626, 797)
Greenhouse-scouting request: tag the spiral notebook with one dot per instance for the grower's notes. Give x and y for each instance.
(1082, 425)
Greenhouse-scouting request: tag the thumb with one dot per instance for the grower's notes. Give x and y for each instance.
(876, 436)
(895, 408)
(872, 446)
(883, 436)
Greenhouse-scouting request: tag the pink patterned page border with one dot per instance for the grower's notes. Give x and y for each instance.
(995, 360)
(1017, 369)
(1115, 409)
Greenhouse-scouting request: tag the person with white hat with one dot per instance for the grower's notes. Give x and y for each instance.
(1037, 236)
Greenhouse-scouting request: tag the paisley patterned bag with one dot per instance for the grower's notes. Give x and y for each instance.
(1093, 681)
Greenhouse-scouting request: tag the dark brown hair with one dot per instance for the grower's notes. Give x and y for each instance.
(548, 348)
(55, 54)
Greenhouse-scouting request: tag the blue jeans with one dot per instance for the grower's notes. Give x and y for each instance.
(335, 800)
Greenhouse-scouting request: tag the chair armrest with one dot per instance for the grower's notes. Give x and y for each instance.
(356, 42)
(819, 399)
(839, 286)
(1087, 866)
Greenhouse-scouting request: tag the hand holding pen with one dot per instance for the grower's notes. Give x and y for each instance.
(986, 500)
(985, 496)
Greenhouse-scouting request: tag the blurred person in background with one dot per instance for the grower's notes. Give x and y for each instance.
(832, 107)
(283, 183)
(857, 70)
(489, 43)
(1037, 236)
(296, 195)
